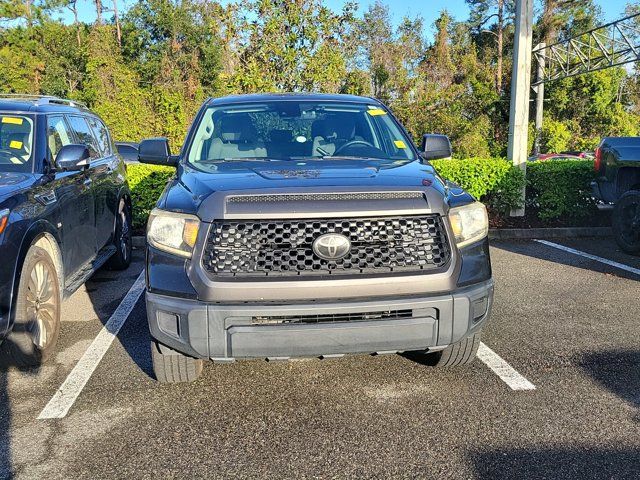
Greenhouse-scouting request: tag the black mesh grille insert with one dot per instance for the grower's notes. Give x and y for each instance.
(333, 317)
(314, 197)
(283, 248)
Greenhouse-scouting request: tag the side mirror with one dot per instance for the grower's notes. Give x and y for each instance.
(435, 146)
(156, 152)
(128, 151)
(73, 157)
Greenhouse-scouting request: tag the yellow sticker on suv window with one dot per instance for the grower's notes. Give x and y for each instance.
(15, 144)
(14, 120)
(399, 144)
(376, 111)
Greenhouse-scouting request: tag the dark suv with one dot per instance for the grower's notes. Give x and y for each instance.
(310, 225)
(65, 210)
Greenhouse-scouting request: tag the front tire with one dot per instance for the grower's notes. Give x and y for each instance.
(170, 366)
(461, 353)
(37, 313)
(122, 239)
(625, 222)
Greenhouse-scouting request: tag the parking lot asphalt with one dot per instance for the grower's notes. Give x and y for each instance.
(568, 324)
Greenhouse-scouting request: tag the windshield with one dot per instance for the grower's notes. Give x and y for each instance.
(16, 143)
(296, 130)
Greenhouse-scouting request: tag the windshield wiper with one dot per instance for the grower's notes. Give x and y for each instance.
(236, 159)
(346, 157)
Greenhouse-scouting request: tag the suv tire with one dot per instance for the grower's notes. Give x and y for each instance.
(625, 222)
(37, 313)
(461, 353)
(170, 366)
(122, 239)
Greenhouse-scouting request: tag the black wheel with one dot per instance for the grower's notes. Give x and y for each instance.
(122, 239)
(461, 353)
(170, 366)
(37, 313)
(626, 222)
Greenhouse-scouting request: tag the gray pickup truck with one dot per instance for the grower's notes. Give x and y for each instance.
(617, 165)
(307, 225)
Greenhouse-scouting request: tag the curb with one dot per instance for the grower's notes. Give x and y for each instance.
(530, 233)
(139, 241)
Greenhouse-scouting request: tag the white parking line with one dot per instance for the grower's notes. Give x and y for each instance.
(64, 398)
(621, 266)
(501, 368)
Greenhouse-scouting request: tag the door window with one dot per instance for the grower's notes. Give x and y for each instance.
(102, 134)
(58, 135)
(84, 135)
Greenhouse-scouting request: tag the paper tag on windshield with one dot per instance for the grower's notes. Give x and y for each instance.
(399, 144)
(376, 111)
(14, 120)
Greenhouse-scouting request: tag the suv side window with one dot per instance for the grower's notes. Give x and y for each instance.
(102, 135)
(84, 134)
(58, 135)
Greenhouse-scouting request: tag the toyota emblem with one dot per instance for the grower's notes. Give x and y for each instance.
(331, 246)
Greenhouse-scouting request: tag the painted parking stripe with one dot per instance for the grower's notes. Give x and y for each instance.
(506, 372)
(65, 397)
(619, 265)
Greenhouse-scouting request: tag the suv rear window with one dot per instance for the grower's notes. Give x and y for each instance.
(84, 134)
(16, 143)
(102, 135)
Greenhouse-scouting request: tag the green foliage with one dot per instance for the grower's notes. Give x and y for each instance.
(560, 189)
(556, 136)
(146, 183)
(493, 181)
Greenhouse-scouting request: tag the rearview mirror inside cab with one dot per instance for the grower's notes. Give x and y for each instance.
(156, 152)
(435, 146)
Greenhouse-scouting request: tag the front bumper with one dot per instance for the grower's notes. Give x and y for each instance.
(224, 332)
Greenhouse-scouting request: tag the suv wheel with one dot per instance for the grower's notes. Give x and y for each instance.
(37, 312)
(170, 366)
(122, 239)
(461, 353)
(626, 222)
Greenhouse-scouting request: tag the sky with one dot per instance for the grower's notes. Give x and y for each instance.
(428, 9)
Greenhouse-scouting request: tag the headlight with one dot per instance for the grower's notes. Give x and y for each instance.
(469, 223)
(173, 232)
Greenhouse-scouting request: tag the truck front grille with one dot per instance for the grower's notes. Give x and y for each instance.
(284, 248)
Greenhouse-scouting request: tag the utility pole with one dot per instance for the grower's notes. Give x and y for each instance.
(520, 86)
(539, 89)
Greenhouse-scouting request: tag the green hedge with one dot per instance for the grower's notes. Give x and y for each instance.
(561, 189)
(493, 181)
(146, 183)
(555, 189)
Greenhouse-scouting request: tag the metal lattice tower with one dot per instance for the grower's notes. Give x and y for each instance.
(610, 45)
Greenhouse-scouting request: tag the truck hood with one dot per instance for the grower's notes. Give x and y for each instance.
(13, 182)
(192, 186)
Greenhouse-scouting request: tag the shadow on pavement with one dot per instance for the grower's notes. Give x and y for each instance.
(557, 463)
(133, 336)
(6, 467)
(616, 370)
(533, 249)
(5, 425)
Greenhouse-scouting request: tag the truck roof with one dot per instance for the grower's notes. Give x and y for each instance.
(310, 97)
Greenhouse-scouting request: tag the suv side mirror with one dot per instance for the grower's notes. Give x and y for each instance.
(156, 152)
(435, 146)
(73, 157)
